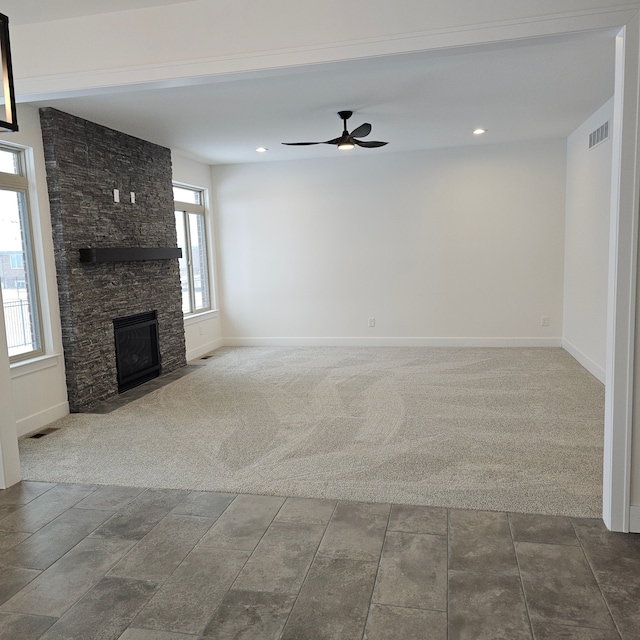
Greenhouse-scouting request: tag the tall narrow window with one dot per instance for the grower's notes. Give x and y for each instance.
(192, 239)
(17, 266)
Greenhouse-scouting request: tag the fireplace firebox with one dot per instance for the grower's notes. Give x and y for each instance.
(137, 349)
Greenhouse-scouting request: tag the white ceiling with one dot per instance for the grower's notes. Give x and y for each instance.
(534, 90)
(31, 11)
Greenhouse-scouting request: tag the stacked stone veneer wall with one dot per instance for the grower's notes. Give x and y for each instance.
(85, 163)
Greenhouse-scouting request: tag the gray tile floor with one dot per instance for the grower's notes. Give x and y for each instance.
(87, 562)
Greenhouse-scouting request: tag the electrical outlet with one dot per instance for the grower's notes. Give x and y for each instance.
(200, 330)
(544, 321)
(133, 197)
(372, 322)
(116, 195)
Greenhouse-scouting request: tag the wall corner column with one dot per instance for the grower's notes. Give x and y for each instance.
(622, 374)
(9, 456)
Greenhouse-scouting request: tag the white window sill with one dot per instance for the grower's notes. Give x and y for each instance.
(25, 367)
(199, 317)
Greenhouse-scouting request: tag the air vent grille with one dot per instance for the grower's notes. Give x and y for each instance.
(45, 432)
(599, 135)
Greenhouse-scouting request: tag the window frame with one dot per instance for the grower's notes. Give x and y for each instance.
(187, 208)
(19, 182)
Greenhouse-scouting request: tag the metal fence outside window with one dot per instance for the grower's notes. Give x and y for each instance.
(17, 318)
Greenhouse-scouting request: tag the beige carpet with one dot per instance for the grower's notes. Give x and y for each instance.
(514, 429)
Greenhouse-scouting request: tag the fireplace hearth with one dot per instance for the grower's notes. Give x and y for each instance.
(137, 349)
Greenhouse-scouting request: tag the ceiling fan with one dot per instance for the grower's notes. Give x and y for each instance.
(347, 140)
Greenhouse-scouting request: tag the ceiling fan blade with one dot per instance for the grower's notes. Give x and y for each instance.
(301, 144)
(361, 131)
(369, 144)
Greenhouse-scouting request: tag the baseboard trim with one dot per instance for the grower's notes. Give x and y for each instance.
(203, 349)
(392, 342)
(634, 519)
(35, 422)
(594, 369)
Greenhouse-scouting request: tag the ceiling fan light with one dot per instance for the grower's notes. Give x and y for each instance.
(344, 146)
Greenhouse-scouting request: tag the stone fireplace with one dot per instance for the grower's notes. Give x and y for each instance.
(85, 163)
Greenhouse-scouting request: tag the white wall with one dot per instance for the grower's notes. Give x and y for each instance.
(39, 387)
(203, 331)
(586, 265)
(457, 246)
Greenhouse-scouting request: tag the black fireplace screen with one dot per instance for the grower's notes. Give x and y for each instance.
(137, 349)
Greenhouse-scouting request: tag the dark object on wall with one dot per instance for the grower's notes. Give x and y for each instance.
(137, 350)
(129, 254)
(347, 140)
(10, 120)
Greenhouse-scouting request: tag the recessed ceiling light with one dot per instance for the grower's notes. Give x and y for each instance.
(261, 149)
(479, 132)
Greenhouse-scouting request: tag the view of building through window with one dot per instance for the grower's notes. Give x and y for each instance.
(17, 269)
(192, 239)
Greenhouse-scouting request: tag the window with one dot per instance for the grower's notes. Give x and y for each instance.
(16, 261)
(191, 229)
(17, 265)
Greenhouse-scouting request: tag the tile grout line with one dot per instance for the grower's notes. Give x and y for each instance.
(22, 506)
(31, 534)
(244, 564)
(115, 513)
(375, 581)
(586, 557)
(306, 575)
(92, 588)
(108, 486)
(160, 584)
(41, 571)
(404, 606)
(275, 515)
(524, 594)
(85, 537)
